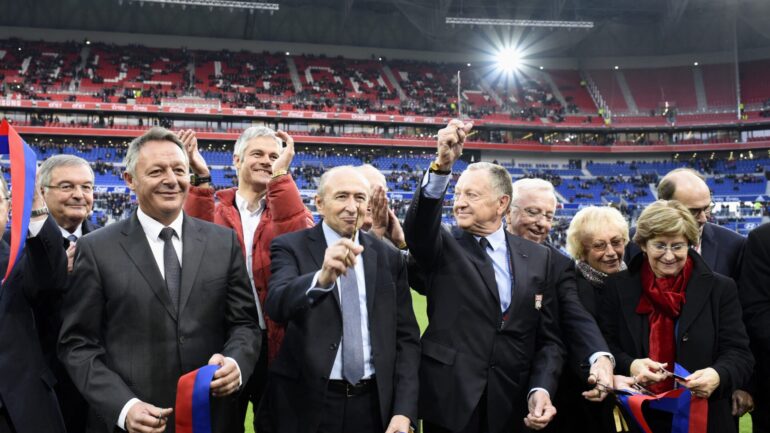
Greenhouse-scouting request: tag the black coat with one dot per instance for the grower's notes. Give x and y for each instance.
(122, 338)
(710, 331)
(299, 375)
(27, 386)
(467, 349)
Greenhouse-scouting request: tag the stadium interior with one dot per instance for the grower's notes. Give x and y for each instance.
(602, 112)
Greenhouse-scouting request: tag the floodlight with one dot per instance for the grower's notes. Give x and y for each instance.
(508, 59)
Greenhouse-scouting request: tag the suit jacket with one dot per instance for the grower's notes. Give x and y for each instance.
(26, 389)
(467, 350)
(122, 337)
(755, 298)
(709, 331)
(721, 248)
(299, 375)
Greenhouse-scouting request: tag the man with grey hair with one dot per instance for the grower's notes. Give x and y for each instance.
(266, 203)
(491, 354)
(154, 297)
(67, 185)
(531, 216)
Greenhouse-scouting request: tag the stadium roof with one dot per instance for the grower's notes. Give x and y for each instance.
(622, 27)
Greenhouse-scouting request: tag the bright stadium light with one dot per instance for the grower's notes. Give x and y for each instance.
(219, 4)
(520, 23)
(508, 59)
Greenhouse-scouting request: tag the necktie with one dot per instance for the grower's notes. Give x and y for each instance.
(171, 266)
(484, 244)
(69, 240)
(352, 340)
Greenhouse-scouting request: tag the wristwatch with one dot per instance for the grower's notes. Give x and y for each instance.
(196, 180)
(278, 173)
(434, 168)
(39, 212)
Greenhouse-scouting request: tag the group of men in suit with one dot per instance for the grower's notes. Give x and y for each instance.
(143, 301)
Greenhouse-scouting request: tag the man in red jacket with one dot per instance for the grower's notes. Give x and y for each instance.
(266, 203)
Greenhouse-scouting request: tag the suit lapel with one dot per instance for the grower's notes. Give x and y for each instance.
(481, 260)
(708, 248)
(316, 246)
(138, 250)
(193, 247)
(697, 293)
(370, 270)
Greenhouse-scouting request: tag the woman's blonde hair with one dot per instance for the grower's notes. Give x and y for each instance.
(666, 218)
(592, 221)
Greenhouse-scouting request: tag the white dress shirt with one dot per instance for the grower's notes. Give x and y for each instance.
(249, 222)
(66, 233)
(333, 237)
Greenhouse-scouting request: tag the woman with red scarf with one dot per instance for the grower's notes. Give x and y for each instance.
(668, 308)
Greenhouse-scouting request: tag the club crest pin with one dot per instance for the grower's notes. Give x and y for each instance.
(538, 301)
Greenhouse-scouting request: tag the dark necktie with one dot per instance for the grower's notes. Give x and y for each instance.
(484, 244)
(69, 240)
(352, 340)
(172, 269)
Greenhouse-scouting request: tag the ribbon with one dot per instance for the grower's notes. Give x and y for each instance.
(23, 168)
(193, 413)
(690, 414)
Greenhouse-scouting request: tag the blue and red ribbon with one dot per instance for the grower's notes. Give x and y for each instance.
(23, 168)
(690, 414)
(193, 413)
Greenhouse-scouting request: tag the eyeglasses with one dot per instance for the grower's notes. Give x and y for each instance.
(536, 213)
(706, 210)
(661, 248)
(67, 187)
(614, 243)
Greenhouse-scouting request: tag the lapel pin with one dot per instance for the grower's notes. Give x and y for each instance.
(538, 301)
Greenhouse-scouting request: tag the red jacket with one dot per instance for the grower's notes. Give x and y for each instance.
(284, 212)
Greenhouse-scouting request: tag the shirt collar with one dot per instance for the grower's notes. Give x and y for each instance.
(332, 236)
(243, 205)
(78, 231)
(496, 239)
(152, 227)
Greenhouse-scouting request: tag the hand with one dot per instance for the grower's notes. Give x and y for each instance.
(146, 418)
(450, 143)
(226, 379)
(702, 382)
(647, 371)
(71, 257)
(284, 161)
(37, 200)
(395, 232)
(197, 163)
(398, 424)
(600, 374)
(743, 402)
(541, 411)
(337, 259)
(624, 383)
(379, 210)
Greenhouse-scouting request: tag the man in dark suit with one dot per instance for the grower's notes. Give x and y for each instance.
(491, 353)
(27, 401)
(350, 355)
(67, 186)
(154, 297)
(721, 248)
(754, 294)
(531, 215)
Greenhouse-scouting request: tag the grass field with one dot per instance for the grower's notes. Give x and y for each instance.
(419, 304)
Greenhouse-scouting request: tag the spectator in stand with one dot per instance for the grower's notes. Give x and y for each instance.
(670, 307)
(266, 203)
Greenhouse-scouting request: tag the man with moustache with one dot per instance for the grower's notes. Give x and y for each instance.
(156, 296)
(349, 359)
(491, 355)
(531, 216)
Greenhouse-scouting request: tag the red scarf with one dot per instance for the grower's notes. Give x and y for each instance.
(662, 300)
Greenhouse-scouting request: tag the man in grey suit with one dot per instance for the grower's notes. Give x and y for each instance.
(154, 297)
